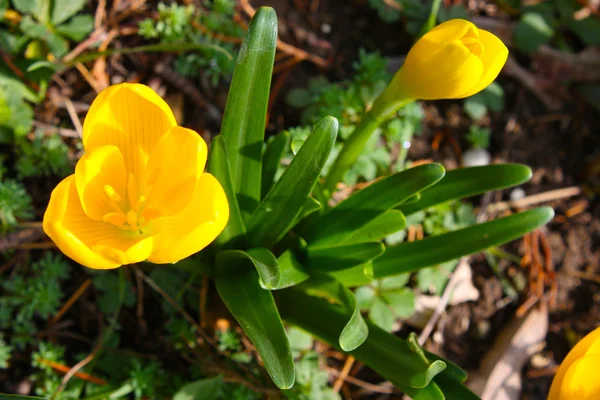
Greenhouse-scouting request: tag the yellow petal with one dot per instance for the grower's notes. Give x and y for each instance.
(130, 116)
(173, 170)
(453, 29)
(580, 350)
(581, 380)
(432, 71)
(123, 250)
(72, 230)
(493, 58)
(99, 175)
(195, 227)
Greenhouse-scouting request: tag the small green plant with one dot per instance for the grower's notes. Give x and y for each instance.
(44, 156)
(31, 294)
(489, 99)
(387, 300)
(479, 137)
(5, 353)
(178, 23)
(15, 204)
(550, 23)
(35, 34)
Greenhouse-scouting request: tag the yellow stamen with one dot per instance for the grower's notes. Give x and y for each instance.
(132, 190)
(151, 213)
(139, 204)
(132, 219)
(111, 193)
(115, 218)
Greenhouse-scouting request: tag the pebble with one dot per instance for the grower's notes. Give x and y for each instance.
(476, 157)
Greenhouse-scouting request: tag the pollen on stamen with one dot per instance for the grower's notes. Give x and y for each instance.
(115, 218)
(137, 205)
(132, 219)
(111, 193)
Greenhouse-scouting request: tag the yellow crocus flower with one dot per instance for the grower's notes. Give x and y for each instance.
(576, 378)
(453, 60)
(140, 191)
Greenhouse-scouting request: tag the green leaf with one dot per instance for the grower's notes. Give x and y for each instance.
(18, 397)
(387, 354)
(57, 45)
(381, 315)
(411, 256)
(433, 279)
(310, 206)
(364, 297)
(342, 221)
(402, 301)
(65, 9)
(218, 165)
(324, 259)
(532, 31)
(393, 282)
(204, 389)
(290, 270)
(255, 311)
(465, 182)
(378, 228)
(356, 276)
(271, 160)
(245, 113)
(278, 211)
(77, 28)
(355, 331)
(454, 390)
(37, 8)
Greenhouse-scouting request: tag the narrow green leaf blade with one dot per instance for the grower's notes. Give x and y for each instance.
(355, 331)
(385, 353)
(310, 206)
(379, 227)
(245, 113)
(218, 165)
(291, 271)
(324, 259)
(278, 211)
(355, 276)
(411, 256)
(256, 312)
(465, 182)
(271, 159)
(356, 211)
(454, 390)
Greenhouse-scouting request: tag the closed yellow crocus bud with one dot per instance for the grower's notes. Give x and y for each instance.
(453, 60)
(576, 378)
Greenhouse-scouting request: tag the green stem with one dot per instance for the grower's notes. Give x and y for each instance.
(384, 108)
(432, 19)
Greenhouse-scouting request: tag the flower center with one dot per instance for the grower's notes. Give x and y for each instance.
(130, 215)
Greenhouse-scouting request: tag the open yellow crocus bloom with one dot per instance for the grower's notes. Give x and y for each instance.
(139, 192)
(576, 378)
(453, 60)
